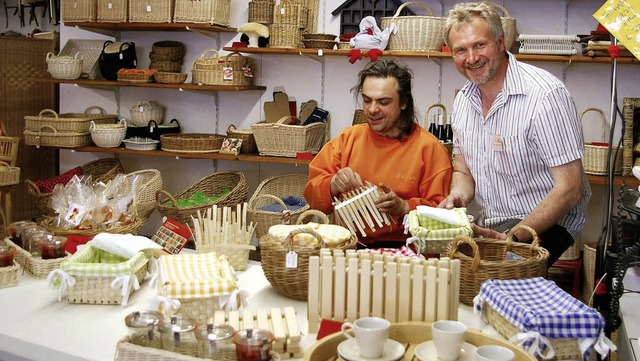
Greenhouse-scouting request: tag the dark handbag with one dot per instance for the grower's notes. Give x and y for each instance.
(116, 56)
(155, 130)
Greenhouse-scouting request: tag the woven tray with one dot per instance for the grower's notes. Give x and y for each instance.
(137, 75)
(90, 51)
(49, 136)
(124, 229)
(166, 77)
(69, 122)
(191, 142)
(36, 267)
(138, 143)
(9, 275)
(283, 140)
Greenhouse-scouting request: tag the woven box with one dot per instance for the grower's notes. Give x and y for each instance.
(78, 10)
(69, 122)
(95, 276)
(9, 275)
(432, 236)
(596, 156)
(415, 33)
(151, 11)
(292, 14)
(90, 51)
(261, 12)
(284, 140)
(284, 36)
(36, 267)
(202, 11)
(112, 11)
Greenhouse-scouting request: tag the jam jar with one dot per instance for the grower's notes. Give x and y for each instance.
(6, 255)
(216, 341)
(177, 334)
(15, 231)
(35, 239)
(144, 327)
(253, 344)
(53, 247)
(24, 233)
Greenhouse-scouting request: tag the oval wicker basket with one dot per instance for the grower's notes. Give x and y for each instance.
(415, 33)
(145, 111)
(148, 183)
(211, 185)
(108, 135)
(191, 142)
(483, 258)
(69, 122)
(166, 77)
(167, 50)
(64, 67)
(248, 140)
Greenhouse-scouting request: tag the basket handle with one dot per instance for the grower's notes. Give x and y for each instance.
(168, 195)
(235, 53)
(500, 7)
(55, 131)
(92, 126)
(32, 188)
(2, 162)
(231, 127)
(45, 111)
(437, 105)
(304, 230)
(534, 243)
(604, 120)
(412, 3)
(458, 241)
(285, 118)
(252, 203)
(78, 56)
(312, 212)
(49, 55)
(213, 51)
(174, 120)
(94, 107)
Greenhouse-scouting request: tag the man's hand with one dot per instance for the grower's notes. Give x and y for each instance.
(453, 200)
(486, 232)
(345, 180)
(389, 202)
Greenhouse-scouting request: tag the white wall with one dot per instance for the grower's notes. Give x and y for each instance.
(301, 76)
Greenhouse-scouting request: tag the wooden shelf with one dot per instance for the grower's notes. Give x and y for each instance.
(255, 158)
(436, 55)
(151, 27)
(617, 180)
(183, 86)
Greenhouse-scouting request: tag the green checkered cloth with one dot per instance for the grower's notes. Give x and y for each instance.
(424, 227)
(93, 262)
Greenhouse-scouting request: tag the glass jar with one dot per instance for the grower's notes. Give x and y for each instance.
(6, 255)
(53, 247)
(144, 327)
(215, 341)
(177, 335)
(23, 236)
(35, 239)
(15, 230)
(253, 344)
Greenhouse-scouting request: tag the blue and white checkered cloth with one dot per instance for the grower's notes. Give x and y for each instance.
(542, 310)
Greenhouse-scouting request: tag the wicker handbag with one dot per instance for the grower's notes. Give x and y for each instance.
(483, 258)
(293, 282)
(415, 33)
(596, 155)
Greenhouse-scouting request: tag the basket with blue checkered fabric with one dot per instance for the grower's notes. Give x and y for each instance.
(543, 319)
(433, 228)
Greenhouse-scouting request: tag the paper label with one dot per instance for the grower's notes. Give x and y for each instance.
(292, 260)
(227, 73)
(121, 56)
(621, 18)
(282, 11)
(497, 144)
(75, 214)
(148, 8)
(286, 216)
(141, 109)
(109, 6)
(247, 72)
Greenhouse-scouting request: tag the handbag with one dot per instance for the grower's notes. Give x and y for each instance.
(116, 56)
(154, 130)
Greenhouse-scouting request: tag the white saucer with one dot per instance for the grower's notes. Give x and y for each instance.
(348, 350)
(427, 352)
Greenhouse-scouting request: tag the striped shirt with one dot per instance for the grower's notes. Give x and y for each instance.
(531, 126)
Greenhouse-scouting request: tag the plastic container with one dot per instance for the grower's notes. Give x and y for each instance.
(216, 341)
(143, 326)
(177, 333)
(253, 344)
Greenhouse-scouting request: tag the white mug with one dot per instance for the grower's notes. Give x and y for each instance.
(494, 353)
(371, 334)
(448, 337)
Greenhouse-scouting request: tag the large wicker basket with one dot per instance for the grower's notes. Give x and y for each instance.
(112, 11)
(293, 282)
(149, 181)
(211, 185)
(100, 170)
(151, 11)
(36, 267)
(596, 155)
(69, 122)
(78, 10)
(483, 258)
(203, 11)
(415, 33)
(283, 140)
(271, 190)
(48, 136)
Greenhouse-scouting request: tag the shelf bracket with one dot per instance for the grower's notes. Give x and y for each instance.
(215, 165)
(319, 58)
(112, 33)
(213, 35)
(564, 70)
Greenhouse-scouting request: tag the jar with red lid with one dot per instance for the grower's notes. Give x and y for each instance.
(6, 255)
(53, 247)
(23, 236)
(144, 327)
(177, 334)
(15, 230)
(253, 344)
(215, 341)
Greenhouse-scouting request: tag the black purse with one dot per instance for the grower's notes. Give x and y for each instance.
(116, 56)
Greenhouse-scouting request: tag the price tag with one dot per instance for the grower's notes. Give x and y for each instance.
(292, 260)
(286, 216)
(320, 53)
(121, 56)
(148, 8)
(110, 6)
(282, 11)
(247, 72)
(227, 73)
(75, 4)
(141, 109)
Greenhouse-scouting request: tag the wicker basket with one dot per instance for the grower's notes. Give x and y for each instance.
(483, 258)
(508, 25)
(248, 140)
(415, 33)
(112, 11)
(191, 142)
(145, 111)
(293, 282)
(49, 136)
(9, 275)
(228, 72)
(589, 264)
(78, 10)
(208, 60)
(108, 135)
(202, 11)
(149, 181)
(284, 36)
(167, 50)
(36, 267)
(211, 185)
(286, 12)
(166, 77)
(166, 66)
(319, 44)
(139, 143)
(283, 140)
(90, 50)
(49, 224)
(136, 75)
(596, 156)
(69, 122)
(310, 36)
(261, 12)
(151, 11)
(271, 190)
(100, 170)
(9, 175)
(64, 67)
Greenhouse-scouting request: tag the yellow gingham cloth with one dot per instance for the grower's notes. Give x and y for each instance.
(190, 276)
(332, 235)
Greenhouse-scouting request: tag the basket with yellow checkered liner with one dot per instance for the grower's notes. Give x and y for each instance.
(195, 285)
(433, 228)
(102, 272)
(305, 240)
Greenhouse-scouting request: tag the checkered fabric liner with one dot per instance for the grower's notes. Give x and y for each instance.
(332, 235)
(402, 251)
(542, 310)
(424, 227)
(94, 262)
(191, 276)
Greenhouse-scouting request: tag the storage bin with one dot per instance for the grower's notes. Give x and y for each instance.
(113, 11)
(151, 11)
(202, 11)
(284, 140)
(78, 10)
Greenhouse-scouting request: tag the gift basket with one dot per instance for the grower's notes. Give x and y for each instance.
(305, 240)
(482, 259)
(543, 319)
(433, 228)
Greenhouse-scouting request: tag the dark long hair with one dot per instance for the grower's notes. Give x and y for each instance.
(385, 68)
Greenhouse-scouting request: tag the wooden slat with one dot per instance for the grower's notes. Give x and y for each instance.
(365, 288)
(431, 294)
(340, 287)
(404, 289)
(313, 309)
(417, 296)
(391, 292)
(352, 289)
(443, 287)
(326, 284)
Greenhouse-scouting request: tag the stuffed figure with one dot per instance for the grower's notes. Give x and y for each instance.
(370, 35)
(256, 33)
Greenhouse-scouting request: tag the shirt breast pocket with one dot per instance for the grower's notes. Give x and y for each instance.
(509, 157)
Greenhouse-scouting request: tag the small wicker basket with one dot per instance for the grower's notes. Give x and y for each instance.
(415, 33)
(596, 155)
(286, 12)
(248, 140)
(145, 111)
(136, 75)
(108, 135)
(284, 36)
(166, 77)
(9, 175)
(64, 67)
(191, 142)
(483, 258)
(284, 140)
(9, 275)
(36, 267)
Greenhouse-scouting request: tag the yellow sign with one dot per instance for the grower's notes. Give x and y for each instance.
(622, 19)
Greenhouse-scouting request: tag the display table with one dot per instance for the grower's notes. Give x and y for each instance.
(35, 326)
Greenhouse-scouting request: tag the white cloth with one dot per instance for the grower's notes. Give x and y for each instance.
(123, 245)
(448, 216)
(365, 40)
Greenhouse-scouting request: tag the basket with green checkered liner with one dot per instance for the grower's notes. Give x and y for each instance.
(433, 228)
(95, 276)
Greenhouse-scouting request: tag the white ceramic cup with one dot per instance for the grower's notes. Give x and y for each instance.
(448, 337)
(371, 334)
(494, 353)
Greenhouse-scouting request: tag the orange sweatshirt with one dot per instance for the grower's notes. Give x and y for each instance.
(417, 169)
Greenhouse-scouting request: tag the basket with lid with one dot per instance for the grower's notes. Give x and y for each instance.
(69, 122)
(64, 67)
(415, 33)
(204, 11)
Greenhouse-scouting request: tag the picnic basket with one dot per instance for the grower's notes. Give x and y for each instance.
(203, 11)
(431, 236)
(248, 140)
(69, 122)
(228, 70)
(148, 181)
(36, 267)
(596, 155)
(415, 33)
(508, 25)
(284, 140)
(207, 188)
(294, 282)
(271, 190)
(484, 258)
